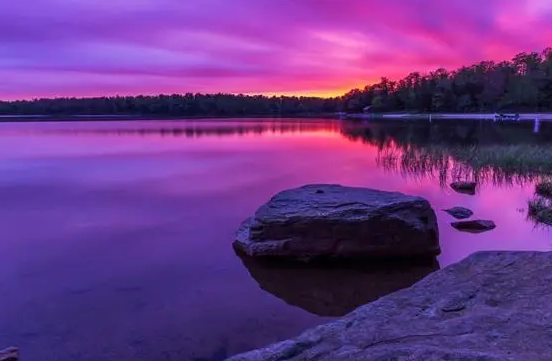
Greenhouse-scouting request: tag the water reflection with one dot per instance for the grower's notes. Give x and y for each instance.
(194, 129)
(536, 127)
(447, 150)
(334, 289)
(158, 212)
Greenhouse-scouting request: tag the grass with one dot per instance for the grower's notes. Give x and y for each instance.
(498, 165)
(537, 205)
(540, 210)
(544, 189)
(521, 158)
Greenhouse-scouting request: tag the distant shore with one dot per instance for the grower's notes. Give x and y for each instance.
(522, 116)
(353, 116)
(132, 117)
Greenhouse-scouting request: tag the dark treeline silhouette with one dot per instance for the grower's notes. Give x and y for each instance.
(522, 84)
(191, 105)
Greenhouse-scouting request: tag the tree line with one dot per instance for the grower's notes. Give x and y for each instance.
(521, 84)
(189, 104)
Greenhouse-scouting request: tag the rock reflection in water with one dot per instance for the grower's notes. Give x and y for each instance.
(334, 289)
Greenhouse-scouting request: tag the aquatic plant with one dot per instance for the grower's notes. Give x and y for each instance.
(498, 166)
(527, 159)
(544, 189)
(540, 210)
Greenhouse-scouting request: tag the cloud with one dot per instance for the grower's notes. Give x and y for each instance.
(90, 47)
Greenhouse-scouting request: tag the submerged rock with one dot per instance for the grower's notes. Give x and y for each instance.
(464, 187)
(459, 212)
(493, 306)
(340, 222)
(9, 354)
(475, 226)
(332, 289)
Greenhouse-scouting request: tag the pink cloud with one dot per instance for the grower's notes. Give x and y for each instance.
(89, 47)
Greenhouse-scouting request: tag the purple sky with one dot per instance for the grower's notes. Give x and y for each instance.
(322, 47)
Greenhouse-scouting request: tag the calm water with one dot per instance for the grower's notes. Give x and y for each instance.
(115, 237)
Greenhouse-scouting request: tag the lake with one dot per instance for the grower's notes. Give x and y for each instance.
(115, 237)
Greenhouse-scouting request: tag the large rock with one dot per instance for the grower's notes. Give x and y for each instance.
(493, 306)
(332, 289)
(335, 221)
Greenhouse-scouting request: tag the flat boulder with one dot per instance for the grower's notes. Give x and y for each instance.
(492, 306)
(333, 221)
(475, 226)
(464, 187)
(459, 212)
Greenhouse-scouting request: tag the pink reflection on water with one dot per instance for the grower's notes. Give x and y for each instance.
(205, 157)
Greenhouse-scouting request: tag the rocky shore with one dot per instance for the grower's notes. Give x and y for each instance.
(492, 306)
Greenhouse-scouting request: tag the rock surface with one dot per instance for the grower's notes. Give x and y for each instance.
(493, 306)
(340, 222)
(459, 212)
(9, 354)
(464, 187)
(334, 289)
(475, 226)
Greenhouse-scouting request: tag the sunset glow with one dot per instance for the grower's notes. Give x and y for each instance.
(283, 47)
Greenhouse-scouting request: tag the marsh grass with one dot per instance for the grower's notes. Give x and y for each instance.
(540, 210)
(498, 165)
(544, 189)
(520, 158)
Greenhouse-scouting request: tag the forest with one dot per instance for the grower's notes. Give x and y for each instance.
(522, 84)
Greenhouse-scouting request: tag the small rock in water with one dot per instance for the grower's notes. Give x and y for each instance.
(9, 354)
(476, 226)
(464, 187)
(459, 212)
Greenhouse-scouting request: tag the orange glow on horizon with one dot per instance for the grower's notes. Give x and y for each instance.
(328, 93)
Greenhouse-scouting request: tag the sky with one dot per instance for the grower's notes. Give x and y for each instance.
(53, 48)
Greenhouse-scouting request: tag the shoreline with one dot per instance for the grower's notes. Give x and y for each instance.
(466, 116)
(138, 117)
(339, 116)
